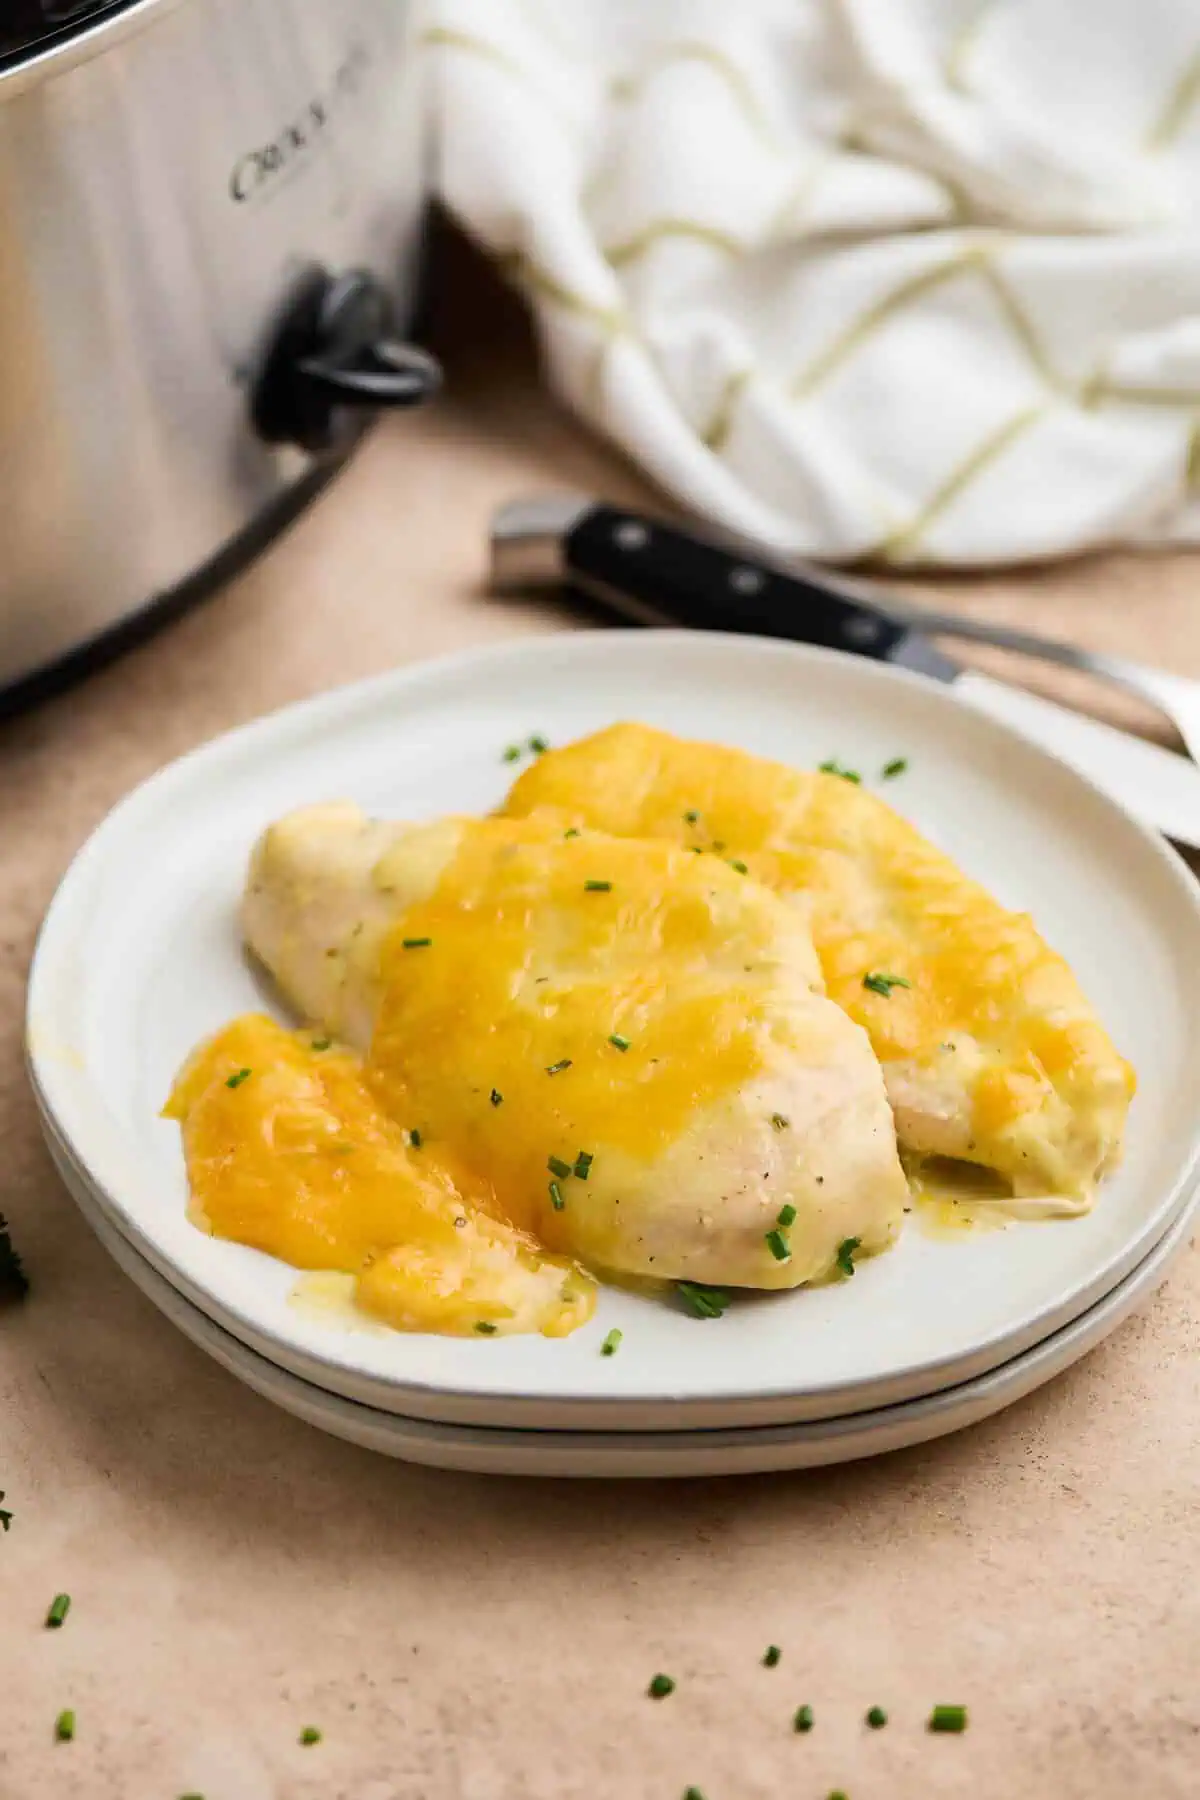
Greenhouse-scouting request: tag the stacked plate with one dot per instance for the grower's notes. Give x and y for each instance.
(139, 958)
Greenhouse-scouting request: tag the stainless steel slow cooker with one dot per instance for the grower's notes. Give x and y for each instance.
(210, 229)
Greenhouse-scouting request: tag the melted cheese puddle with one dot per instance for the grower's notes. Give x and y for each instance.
(297, 1158)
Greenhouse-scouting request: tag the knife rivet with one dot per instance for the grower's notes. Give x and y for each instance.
(747, 581)
(861, 631)
(629, 535)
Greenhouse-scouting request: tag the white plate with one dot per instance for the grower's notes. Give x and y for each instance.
(621, 1455)
(139, 958)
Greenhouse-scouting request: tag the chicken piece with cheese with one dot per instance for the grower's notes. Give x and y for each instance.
(625, 1048)
(990, 1050)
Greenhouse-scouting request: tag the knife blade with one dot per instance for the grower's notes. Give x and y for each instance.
(652, 573)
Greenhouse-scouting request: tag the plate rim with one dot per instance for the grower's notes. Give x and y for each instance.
(984, 1395)
(427, 1398)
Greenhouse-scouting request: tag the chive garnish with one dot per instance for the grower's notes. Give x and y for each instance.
(539, 745)
(693, 1793)
(558, 1067)
(611, 1342)
(237, 1079)
(787, 1217)
(777, 1244)
(877, 1718)
(618, 1042)
(496, 1097)
(416, 943)
(780, 1121)
(321, 1043)
(14, 1283)
(880, 983)
(60, 1607)
(572, 831)
(556, 1197)
(513, 753)
(414, 1138)
(739, 866)
(771, 1656)
(6, 1518)
(310, 1735)
(831, 766)
(803, 1719)
(897, 766)
(660, 1687)
(558, 1167)
(948, 1718)
(845, 1254)
(583, 1165)
(691, 818)
(485, 1328)
(597, 887)
(704, 1302)
(64, 1726)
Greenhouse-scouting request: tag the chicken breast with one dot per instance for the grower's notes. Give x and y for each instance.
(991, 1052)
(627, 1045)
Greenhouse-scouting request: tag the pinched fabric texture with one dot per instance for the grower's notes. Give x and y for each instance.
(916, 280)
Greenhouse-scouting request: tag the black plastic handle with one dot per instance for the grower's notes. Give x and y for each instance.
(655, 574)
(336, 355)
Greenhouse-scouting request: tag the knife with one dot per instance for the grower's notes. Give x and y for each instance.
(652, 573)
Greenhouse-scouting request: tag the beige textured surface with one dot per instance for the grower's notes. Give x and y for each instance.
(237, 1576)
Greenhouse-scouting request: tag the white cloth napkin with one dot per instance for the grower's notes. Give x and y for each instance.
(910, 279)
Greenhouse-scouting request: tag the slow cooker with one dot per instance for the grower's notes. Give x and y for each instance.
(211, 219)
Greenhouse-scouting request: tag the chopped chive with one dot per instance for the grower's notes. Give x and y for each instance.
(693, 1793)
(787, 1217)
(558, 1067)
(717, 845)
(485, 1328)
(771, 1656)
(14, 1283)
(558, 1167)
(64, 1726)
(310, 1735)
(660, 1687)
(704, 1302)
(897, 766)
(802, 1719)
(513, 753)
(877, 1718)
(322, 1043)
(777, 1244)
(695, 849)
(597, 887)
(618, 1042)
(741, 868)
(59, 1609)
(611, 1343)
(556, 1197)
(236, 1080)
(781, 1122)
(416, 943)
(572, 831)
(583, 1165)
(831, 766)
(6, 1518)
(539, 745)
(883, 984)
(845, 1254)
(496, 1097)
(948, 1718)
(414, 1138)
(691, 817)
(837, 1794)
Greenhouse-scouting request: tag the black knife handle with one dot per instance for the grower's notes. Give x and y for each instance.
(653, 574)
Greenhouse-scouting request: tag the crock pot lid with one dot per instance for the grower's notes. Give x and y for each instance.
(33, 25)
